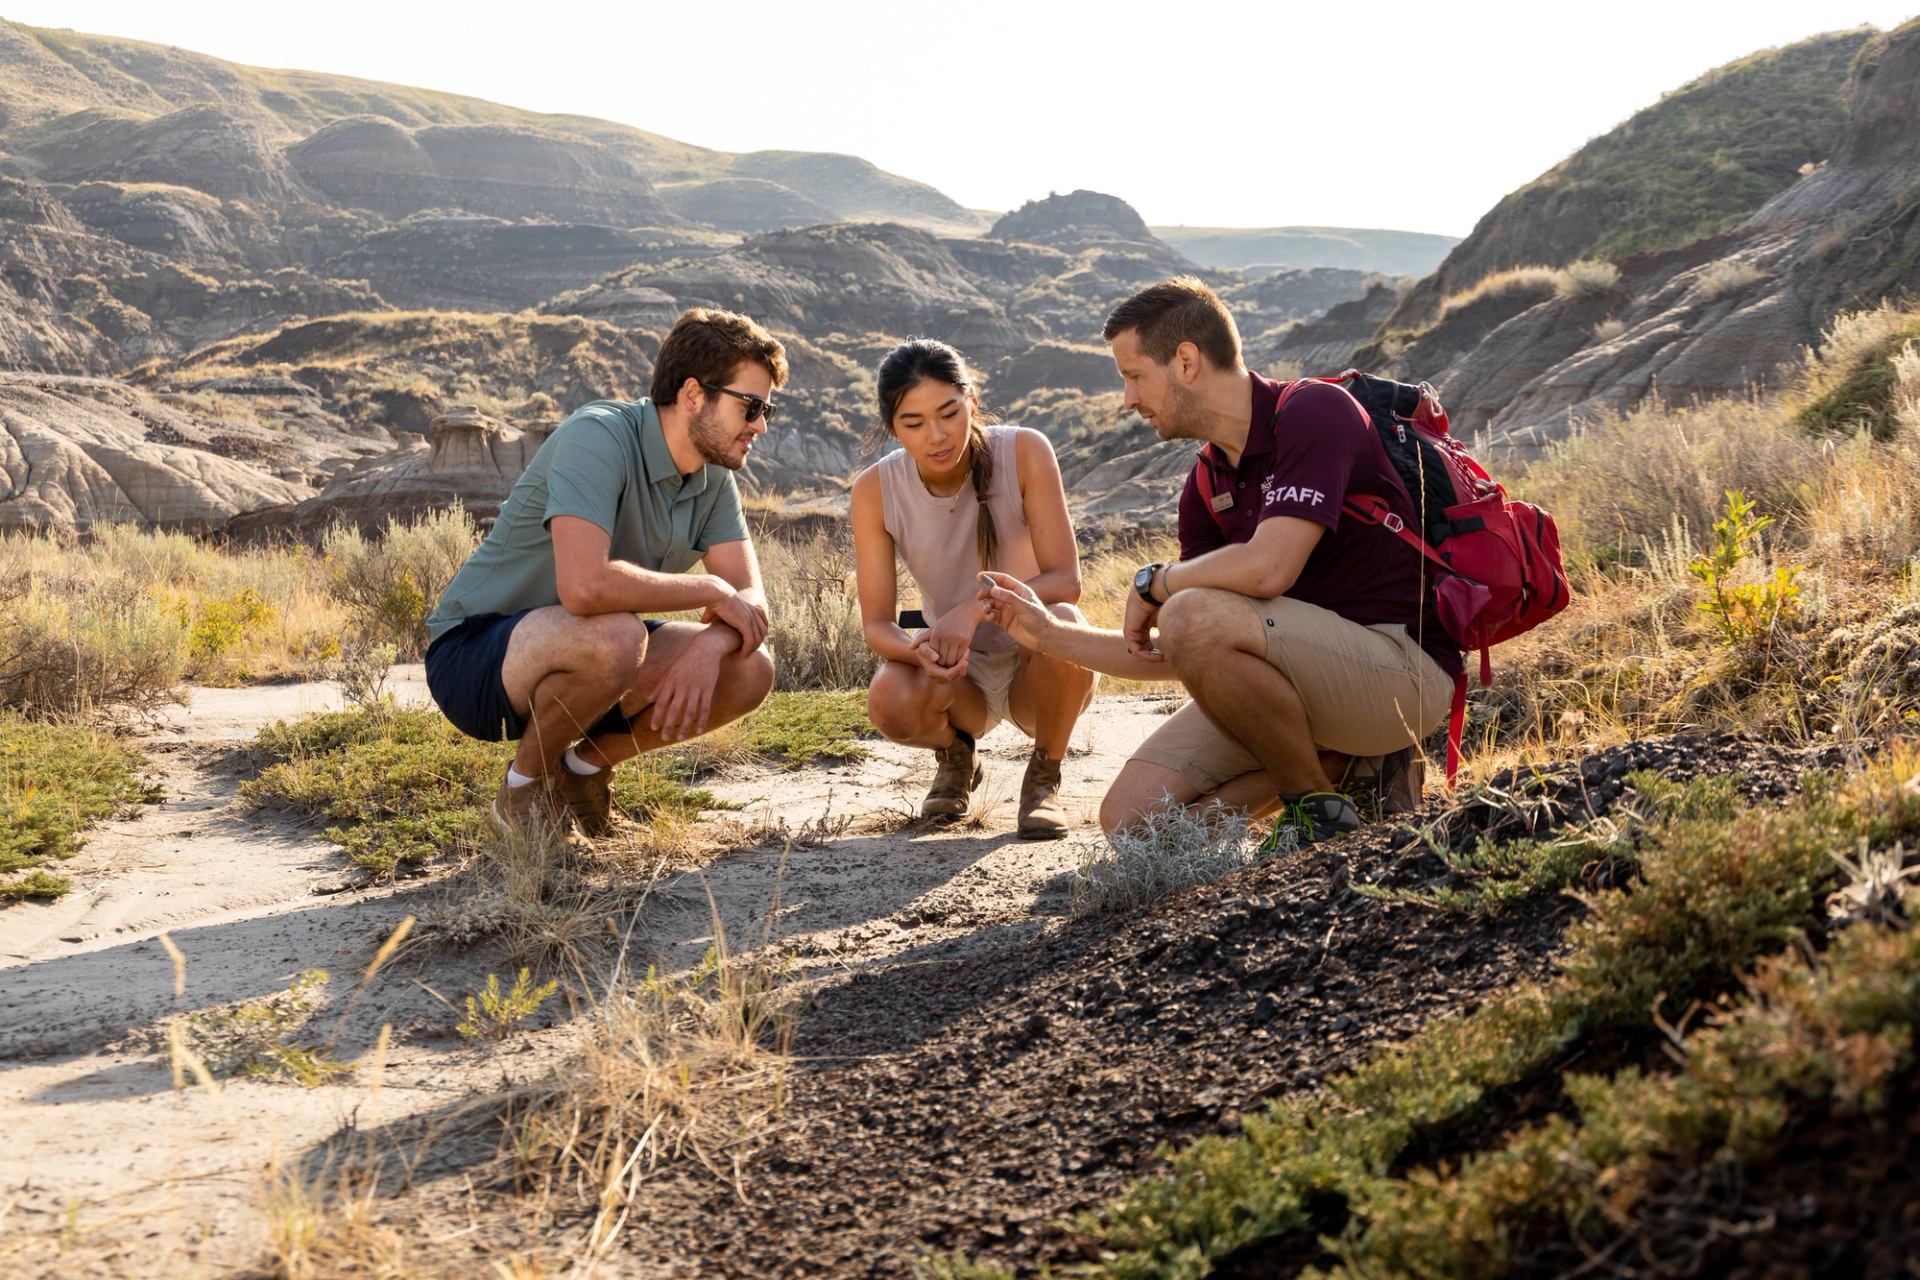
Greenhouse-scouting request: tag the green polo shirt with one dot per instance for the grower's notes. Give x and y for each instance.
(608, 463)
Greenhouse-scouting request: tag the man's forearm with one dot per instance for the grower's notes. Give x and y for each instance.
(1100, 650)
(1239, 568)
(625, 587)
(1056, 586)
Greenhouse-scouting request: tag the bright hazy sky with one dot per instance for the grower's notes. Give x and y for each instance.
(1201, 113)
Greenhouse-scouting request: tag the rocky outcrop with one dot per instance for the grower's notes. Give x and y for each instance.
(749, 205)
(78, 452)
(201, 147)
(1074, 220)
(1080, 366)
(1720, 316)
(846, 277)
(1325, 345)
(369, 162)
(488, 264)
(466, 460)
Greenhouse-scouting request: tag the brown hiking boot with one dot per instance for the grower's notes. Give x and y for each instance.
(1396, 780)
(588, 799)
(1041, 814)
(954, 781)
(1402, 778)
(529, 808)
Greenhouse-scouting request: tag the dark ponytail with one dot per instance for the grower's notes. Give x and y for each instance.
(906, 367)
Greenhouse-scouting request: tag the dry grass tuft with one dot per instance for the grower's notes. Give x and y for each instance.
(1536, 280)
(691, 1067)
(1587, 278)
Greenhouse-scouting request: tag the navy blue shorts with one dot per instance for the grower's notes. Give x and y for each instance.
(463, 675)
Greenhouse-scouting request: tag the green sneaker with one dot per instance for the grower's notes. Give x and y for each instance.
(1313, 817)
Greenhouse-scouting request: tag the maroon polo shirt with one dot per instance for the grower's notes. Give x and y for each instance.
(1304, 463)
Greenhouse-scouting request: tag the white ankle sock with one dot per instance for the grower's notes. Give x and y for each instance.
(515, 778)
(579, 766)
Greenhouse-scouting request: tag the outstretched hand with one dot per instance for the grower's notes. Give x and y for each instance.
(1012, 605)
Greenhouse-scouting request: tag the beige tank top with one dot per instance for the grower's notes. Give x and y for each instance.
(935, 536)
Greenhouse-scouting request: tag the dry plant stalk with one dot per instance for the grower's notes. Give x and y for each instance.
(674, 1068)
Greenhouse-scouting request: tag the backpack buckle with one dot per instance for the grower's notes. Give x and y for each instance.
(1393, 523)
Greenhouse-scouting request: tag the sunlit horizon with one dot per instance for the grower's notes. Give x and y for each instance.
(1373, 116)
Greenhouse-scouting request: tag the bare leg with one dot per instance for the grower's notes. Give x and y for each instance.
(909, 707)
(1219, 651)
(1047, 694)
(563, 672)
(1142, 788)
(743, 684)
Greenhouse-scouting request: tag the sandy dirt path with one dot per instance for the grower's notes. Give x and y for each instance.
(86, 1095)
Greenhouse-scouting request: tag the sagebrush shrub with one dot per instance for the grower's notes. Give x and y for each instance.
(391, 584)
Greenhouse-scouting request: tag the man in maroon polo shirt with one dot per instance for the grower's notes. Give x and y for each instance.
(1307, 641)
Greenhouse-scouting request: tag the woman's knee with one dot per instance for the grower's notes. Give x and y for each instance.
(896, 701)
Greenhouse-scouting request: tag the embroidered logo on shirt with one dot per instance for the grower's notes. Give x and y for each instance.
(1276, 493)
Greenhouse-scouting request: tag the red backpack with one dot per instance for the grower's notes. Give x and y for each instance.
(1499, 560)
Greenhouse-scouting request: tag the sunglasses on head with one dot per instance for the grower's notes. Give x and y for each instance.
(756, 407)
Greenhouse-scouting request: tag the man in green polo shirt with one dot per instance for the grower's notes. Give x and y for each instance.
(537, 638)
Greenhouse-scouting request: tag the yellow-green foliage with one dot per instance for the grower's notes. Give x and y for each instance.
(495, 1013)
(402, 785)
(1866, 375)
(55, 781)
(126, 617)
(1744, 611)
(390, 585)
(257, 1037)
(1640, 501)
(1719, 894)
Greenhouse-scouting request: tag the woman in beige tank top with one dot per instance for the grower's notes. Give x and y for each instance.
(960, 495)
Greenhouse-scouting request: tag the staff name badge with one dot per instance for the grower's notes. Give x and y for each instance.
(1221, 501)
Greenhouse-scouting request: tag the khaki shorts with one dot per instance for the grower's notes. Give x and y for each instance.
(991, 671)
(1368, 690)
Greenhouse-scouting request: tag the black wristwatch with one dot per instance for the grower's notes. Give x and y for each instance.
(1143, 582)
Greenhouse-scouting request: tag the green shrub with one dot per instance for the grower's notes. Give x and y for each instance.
(389, 586)
(1718, 894)
(256, 1037)
(495, 1013)
(400, 785)
(55, 781)
(1746, 611)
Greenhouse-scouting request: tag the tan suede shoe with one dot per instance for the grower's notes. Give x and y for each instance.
(528, 809)
(1041, 815)
(588, 799)
(951, 794)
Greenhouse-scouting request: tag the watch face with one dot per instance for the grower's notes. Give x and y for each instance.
(1143, 578)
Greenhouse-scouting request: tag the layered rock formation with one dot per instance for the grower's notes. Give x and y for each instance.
(849, 278)
(486, 264)
(78, 452)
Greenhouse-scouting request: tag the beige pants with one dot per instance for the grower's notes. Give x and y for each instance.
(1368, 690)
